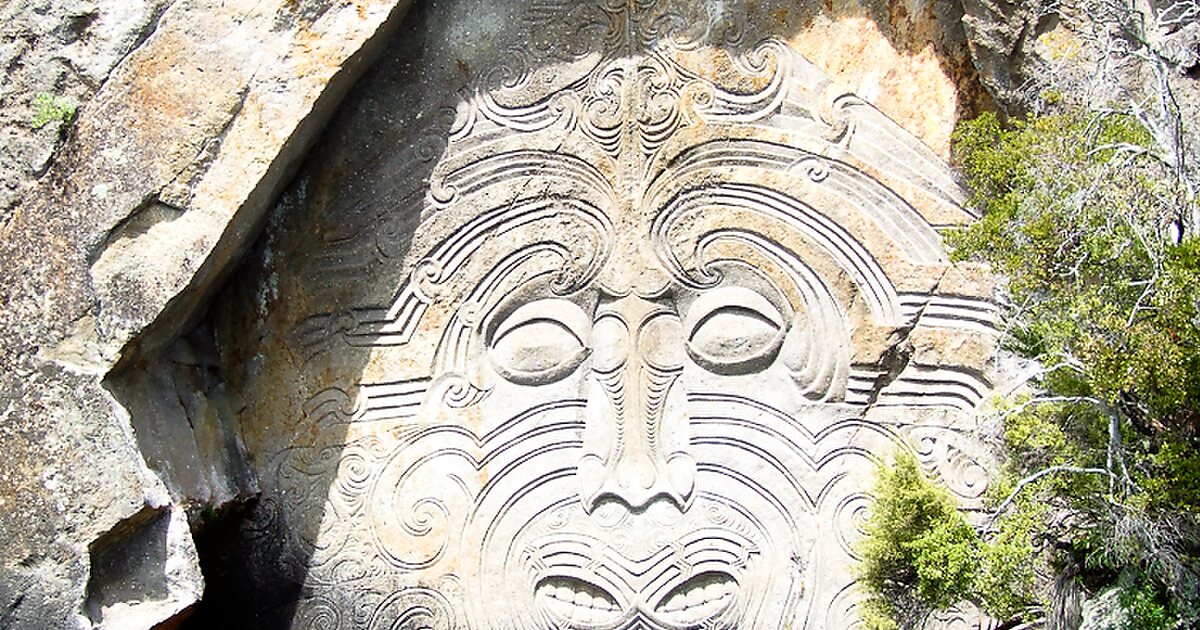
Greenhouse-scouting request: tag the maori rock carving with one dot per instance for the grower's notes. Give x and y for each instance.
(665, 299)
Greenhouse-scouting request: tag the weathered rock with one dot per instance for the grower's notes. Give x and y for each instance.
(1002, 35)
(63, 49)
(1137, 56)
(1104, 612)
(121, 419)
(600, 316)
(910, 59)
(162, 184)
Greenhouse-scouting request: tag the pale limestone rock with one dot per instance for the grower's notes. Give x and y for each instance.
(910, 59)
(596, 315)
(1104, 612)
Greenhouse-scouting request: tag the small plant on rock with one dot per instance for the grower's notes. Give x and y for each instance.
(48, 108)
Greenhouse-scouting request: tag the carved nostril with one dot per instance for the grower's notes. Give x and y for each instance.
(636, 483)
(636, 473)
(681, 474)
(591, 477)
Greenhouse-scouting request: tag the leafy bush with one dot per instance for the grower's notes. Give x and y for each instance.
(919, 553)
(1100, 488)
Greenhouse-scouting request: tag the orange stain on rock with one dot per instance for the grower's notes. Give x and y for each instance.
(912, 88)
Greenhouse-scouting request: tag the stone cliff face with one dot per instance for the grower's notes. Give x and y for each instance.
(134, 425)
(192, 116)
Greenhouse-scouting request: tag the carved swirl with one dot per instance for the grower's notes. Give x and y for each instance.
(319, 613)
(946, 450)
(414, 609)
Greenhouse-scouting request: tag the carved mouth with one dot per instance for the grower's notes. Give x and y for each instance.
(699, 598)
(577, 601)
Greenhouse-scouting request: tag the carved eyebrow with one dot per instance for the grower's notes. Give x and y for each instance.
(478, 175)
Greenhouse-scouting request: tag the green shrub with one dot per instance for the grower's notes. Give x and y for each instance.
(48, 109)
(919, 553)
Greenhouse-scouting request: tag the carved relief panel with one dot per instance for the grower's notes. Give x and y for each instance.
(600, 314)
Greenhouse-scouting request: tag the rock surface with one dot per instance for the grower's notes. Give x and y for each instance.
(64, 50)
(164, 180)
(125, 439)
(910, 59)
(1104, 612)
(1035, 56)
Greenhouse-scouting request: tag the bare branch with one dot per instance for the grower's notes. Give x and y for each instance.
(1045, 400)
(1023, 483)
(1037, 371)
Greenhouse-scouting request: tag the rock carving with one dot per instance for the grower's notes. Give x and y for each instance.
(666, 298)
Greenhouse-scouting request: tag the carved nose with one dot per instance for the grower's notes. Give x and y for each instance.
(635, 437)
(632, 415)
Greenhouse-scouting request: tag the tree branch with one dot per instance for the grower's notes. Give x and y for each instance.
(1003, 507)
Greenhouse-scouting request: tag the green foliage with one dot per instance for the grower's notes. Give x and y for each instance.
(1143, 610)
(1077, 216)
(919, 553)
(1005, 579)
(48, 109)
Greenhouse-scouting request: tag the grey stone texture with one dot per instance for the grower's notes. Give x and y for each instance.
(64, 49)
(163, 181)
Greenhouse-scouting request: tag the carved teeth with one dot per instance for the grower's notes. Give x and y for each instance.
(699, 601)
(576, 602)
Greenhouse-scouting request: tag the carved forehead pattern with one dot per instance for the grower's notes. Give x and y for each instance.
(606, 325)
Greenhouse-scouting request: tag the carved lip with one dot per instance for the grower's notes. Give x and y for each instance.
(577, 603)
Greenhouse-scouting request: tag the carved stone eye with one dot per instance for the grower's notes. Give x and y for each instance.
(734, 331)
(540, 342)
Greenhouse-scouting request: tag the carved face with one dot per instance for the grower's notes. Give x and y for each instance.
(642, 486)
(652, 335)
(615, 446)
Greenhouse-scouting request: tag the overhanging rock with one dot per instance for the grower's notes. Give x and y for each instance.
(162, 184)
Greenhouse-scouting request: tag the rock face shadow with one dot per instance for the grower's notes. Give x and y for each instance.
(591, 315)
(130, 569)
